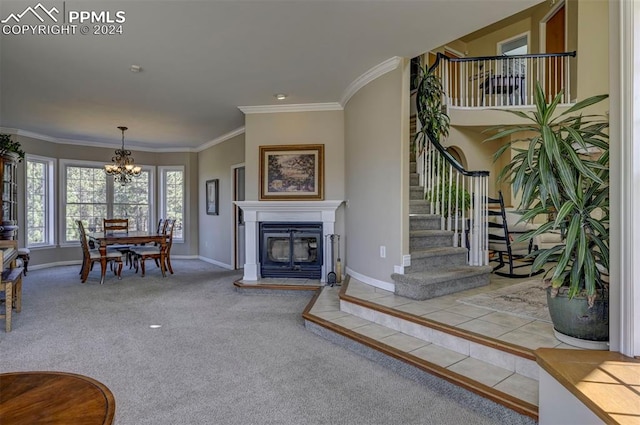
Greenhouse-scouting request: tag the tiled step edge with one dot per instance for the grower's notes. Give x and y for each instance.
(408, 364)
(274, 288)
(497, 344)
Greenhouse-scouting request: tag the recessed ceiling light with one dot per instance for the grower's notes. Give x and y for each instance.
(281, 96)
(155, 326)
(135, 68)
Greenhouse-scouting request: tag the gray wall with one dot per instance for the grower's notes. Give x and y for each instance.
(298, 128)
(216, 231)
(377, 156)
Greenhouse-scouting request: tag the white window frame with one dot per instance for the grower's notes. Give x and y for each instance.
(50, 212)
(162, 204)
(64, 163)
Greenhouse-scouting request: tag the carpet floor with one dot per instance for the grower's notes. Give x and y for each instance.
(219, 357)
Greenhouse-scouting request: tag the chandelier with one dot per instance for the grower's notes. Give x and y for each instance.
(122, 169)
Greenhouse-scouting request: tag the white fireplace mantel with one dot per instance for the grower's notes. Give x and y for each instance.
(256, 212)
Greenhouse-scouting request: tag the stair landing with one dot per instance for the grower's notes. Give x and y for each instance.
(486, 352)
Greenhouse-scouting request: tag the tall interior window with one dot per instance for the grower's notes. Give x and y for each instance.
(90, 195)
(132, 201)
(39, 199)
(172, 182)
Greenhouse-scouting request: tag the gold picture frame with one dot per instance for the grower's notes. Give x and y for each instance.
(292, 172)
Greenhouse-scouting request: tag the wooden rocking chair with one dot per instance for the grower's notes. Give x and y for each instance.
(503, 240)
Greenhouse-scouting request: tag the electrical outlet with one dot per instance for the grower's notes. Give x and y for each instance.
(383, 251)
(406, 260)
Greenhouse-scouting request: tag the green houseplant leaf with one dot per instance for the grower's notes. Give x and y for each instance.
(563, 174)
(9, 146)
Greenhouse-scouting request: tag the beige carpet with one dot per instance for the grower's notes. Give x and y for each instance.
(526, 299)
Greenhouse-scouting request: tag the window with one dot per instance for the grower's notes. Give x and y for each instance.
(514, 47)
(90, 195)
(132, 201)
(172, 198)
(39, 201)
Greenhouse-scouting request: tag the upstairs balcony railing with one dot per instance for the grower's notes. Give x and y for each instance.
(503, 81)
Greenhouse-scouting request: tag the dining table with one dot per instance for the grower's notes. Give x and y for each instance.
(104, 239)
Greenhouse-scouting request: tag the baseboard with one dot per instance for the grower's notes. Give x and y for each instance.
(56, 264)
(214, 262)
(387, 286)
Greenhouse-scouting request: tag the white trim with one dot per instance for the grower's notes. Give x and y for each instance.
(526, 34)
(624, 49)
(543, 25)
(454, 51)
(256, 212)
(56, 264)
(162, 204)
(215, 263)
(301, 107)
(375, 72)
(94, 144)
(387, 286)
(234, 227)
(223, 138)
(50, 210)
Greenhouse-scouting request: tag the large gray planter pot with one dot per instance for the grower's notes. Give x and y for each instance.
(577, 324)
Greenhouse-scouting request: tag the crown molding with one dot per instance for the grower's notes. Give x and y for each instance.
(375, 72)
(300, 107)
(93, 144)
(223, 138)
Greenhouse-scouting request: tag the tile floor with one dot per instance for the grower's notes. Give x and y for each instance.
(523, 332)
(528, 333)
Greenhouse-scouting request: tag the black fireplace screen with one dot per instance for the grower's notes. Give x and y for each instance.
(291, 250)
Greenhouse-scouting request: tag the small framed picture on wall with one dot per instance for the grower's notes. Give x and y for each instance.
(212, 196)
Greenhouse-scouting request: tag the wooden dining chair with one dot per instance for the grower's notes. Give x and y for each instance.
(115, 226)
(91, 256)
(142, 253)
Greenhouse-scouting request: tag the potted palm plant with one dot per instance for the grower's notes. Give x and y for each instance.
(563, 176)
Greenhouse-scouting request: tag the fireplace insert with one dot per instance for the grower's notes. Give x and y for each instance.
(291, 250)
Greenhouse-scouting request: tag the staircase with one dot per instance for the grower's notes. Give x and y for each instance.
(437, 267)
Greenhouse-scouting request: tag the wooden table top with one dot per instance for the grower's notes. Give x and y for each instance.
(54, 398)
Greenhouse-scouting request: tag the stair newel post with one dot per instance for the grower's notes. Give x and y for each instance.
(474, 253)
(464, 222)
(440, 188)
(485, 217)
(456, 235)
(449, 226)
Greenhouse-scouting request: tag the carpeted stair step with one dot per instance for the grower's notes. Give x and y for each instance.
(413, 166)
(436, 283)
(421, 239)
(416, 192)
(414, 179)
(424, 222)
(437, 258)
(419, 206)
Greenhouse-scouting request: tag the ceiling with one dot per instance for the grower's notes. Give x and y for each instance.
(201, 60)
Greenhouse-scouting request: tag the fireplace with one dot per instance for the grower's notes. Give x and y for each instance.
(298, 212)
(291, 250)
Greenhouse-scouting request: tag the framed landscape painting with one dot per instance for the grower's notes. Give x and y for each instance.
(292, 172)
